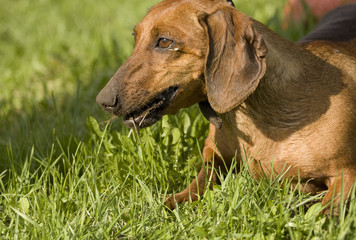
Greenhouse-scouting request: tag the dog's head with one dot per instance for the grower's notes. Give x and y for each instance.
(186, 52)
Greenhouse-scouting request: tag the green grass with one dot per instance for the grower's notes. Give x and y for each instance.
(65, 176)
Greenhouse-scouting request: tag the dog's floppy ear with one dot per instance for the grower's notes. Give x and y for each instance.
(235, 61)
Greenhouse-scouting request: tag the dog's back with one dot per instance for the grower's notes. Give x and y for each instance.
(339, 25)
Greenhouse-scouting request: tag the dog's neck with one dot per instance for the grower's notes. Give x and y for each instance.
(292, 93)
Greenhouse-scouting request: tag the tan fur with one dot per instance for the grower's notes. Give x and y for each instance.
(287, 105)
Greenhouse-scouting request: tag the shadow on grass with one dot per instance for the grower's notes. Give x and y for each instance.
(58, 122)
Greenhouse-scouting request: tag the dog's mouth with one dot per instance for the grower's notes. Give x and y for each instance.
(151, 112)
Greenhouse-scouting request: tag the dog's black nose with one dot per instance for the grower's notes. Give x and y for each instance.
(107, 99)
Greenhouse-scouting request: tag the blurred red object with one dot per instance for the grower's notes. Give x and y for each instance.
(295, 10)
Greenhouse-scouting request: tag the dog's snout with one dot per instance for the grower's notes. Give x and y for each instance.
(108, 100)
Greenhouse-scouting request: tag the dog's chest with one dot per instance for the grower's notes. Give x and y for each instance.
(240, 137)
(301, 151)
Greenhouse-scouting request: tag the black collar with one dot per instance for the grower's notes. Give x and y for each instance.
(231, 2)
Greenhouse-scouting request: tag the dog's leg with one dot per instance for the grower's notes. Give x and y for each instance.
(212, 161)
(338, 191)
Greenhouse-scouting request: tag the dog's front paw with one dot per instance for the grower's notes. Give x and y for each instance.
(172, 201)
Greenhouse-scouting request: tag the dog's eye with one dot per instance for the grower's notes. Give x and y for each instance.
(164, 43)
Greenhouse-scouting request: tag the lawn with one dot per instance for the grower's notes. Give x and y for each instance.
(66, 172)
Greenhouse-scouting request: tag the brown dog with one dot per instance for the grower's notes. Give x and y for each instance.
(289, 105)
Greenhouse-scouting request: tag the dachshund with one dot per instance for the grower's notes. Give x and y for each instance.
(291, 106)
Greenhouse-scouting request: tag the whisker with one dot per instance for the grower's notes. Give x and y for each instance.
(108, 121)
(137, 133)
(143, 118)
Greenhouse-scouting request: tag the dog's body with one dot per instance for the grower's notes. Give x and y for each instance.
(291, 107)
